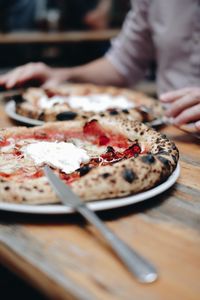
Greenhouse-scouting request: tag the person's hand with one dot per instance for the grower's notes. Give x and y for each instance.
(98, 18)
(183, 106)
(33, 71)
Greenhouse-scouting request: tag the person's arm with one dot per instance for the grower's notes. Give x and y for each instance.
(98, 18)
(133, 50)
(183, 106)
(100, 71)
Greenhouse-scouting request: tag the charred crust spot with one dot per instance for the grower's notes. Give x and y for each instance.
(84, 117)
(164, 161)
(148, 159)
(102, 115)
(129, 175)
(6, 188)
(113, 112)
(113, 181)
(92, 121)
(110, 149)
(145, 115)
(174, 147)
(41, 116)
(163, 136)
(84, 170)
(105, 175)
(173, 157)
(66, 116)
(163, 152)
(18, 99)
(125, 111)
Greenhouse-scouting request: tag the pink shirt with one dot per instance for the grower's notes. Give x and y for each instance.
(167, 31)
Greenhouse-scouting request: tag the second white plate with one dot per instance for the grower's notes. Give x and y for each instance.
(10, 109)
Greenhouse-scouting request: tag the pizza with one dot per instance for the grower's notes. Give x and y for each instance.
(100, 158)
(82, 101)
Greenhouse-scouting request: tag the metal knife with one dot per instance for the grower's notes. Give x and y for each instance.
(143, 270)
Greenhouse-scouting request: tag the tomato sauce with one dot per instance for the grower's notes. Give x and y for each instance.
(93, 132)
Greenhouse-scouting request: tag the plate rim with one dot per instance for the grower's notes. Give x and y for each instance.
(10, 109)
(55, 209)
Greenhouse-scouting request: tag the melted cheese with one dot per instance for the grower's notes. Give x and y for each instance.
(9, 148)
(46, 102)
(93, 102)
(64, 156)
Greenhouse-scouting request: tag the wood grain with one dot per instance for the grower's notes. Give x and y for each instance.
(67, 259)
(57, 37)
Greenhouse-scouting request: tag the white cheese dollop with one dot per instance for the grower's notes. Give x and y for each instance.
(45, 102)
(64, 156)
(92, 102)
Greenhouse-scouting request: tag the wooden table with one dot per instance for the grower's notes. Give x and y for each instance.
(66, 259)
(57, 37)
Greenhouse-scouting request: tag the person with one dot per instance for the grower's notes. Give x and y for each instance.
(168, 31)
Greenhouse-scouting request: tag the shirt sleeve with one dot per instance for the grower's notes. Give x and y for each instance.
(132, 50)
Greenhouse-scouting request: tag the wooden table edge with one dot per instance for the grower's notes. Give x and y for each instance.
(35, 277)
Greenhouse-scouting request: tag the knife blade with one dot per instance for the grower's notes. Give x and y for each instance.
(142, 269)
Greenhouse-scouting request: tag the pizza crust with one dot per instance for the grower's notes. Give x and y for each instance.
(147, 108)
(120, 179)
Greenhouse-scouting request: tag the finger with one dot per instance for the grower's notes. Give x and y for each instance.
(13, 78)
(23, 74)
(28, 74)
(197, 125)
(182, 104)
(191, 114)
(174, 95)
(191, 128)
(51, 83)
(4, 78)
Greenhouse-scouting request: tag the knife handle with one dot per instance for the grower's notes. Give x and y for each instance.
(143, 270)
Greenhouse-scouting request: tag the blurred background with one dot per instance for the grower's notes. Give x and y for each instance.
(56, 17)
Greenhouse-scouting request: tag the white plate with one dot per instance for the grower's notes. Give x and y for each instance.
(95, 205)
(10, 109)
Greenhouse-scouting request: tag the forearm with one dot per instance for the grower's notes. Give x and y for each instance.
(100, 72)
(105, 4)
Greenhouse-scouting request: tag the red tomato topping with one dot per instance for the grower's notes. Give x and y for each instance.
(17, 152)
(4, 143)
(116, 155)
(132, 151)
(119, 141)
(93, 128)
(37, 174)
(69, 178)
(103, 140)
(5, 175)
